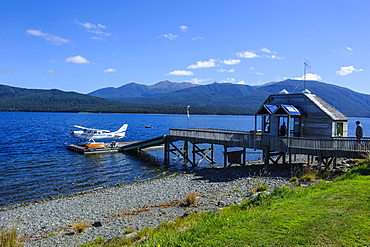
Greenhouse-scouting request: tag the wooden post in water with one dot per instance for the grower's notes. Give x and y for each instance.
(244, 156)
(186, 151)
(213, 152)
(266, 157)
(194, 158)
(225, 156)
(166, 152)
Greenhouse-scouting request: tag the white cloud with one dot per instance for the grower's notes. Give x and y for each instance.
(48, 37)
(275, 57)
(183, 28)
(181, 72)
(247, 54)
(51, 72)
(198, 81)
(309, 77)
(226, 70)
(231, 61)
(346, 51)
(77, 59)
(7, 70)
(96, 29)
(97, 38)
(89, 25)
(228, 80)
(169, 36)
(203, 64)
(233, 80)
(110, 70)
(254, 73)
(347, 70)
(264, 49)
(197, 38)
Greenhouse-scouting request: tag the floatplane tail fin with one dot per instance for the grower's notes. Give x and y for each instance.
(122, 129)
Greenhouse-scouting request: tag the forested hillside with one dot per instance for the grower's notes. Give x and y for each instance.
(164, 97)
(21, 99)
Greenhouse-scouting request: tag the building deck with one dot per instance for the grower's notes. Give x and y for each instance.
(275, 145)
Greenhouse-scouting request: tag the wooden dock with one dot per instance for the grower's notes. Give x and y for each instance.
(112, 147)
(274, 148)
(185, 144)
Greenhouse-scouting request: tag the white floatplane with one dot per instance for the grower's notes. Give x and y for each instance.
(91, 135)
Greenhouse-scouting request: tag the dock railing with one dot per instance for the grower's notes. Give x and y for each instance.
(333, 147)
(217, 136)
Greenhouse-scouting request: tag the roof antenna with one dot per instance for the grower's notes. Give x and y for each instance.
(306, 64)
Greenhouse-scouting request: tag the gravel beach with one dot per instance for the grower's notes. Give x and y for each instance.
(109, 212)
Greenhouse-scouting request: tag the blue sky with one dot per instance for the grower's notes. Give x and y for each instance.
(85, 45)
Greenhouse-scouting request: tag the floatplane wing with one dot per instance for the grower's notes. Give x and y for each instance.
(90, 129)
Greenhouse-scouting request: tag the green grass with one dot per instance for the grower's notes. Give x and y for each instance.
(326, 214)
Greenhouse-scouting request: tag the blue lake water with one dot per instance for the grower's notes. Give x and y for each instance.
(35, 165)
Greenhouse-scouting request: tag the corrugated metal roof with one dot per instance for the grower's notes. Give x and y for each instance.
(326, 108)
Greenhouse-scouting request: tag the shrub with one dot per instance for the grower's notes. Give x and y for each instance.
(128, 231)
(261, 187)
(190, 199)
(294, 179)
(363, 170)
(8, 238)
(256, 201)
(308, 177)
(281, 192)
(80, 227)
(99, 241)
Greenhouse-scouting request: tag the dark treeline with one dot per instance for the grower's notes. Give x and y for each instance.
(36, 100)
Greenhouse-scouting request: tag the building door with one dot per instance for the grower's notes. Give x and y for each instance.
(283, 121)
(292, 124)
(295, 127)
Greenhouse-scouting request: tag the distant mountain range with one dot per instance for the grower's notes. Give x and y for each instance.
(169, 97)
(246, 98)
(133, 89)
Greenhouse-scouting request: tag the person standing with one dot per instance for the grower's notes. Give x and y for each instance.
(359, 131)
(283, 130)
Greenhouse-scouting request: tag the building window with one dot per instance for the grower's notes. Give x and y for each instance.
(339, 129)
(266, 123)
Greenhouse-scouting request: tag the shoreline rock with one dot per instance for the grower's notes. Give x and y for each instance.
(107, 213)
